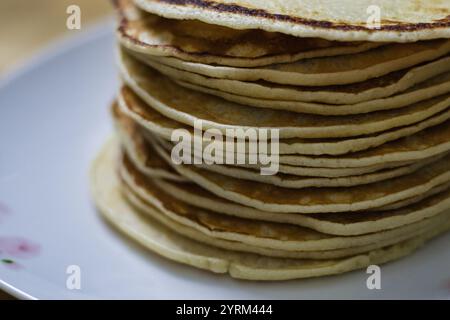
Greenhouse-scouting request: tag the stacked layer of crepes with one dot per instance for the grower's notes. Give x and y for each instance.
(364, 127)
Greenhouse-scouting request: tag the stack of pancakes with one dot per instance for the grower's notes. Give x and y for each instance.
(363, 118)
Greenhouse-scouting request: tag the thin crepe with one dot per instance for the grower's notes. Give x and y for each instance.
(325, 71)
(269, 239)
(378, 88)
(423, 91)
(151, 156)
(137, 109)
(192, 40)
(342, 224)
(188, 106)
(343, 20)
(319, 200)
(105, 188)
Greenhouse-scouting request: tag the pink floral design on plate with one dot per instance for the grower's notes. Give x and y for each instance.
(12, 248)
(18, 247)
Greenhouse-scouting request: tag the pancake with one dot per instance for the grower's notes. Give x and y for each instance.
(141, 157)
(265, 238)
(140, 151)
(402, 21)
(317, 182)
(137, 109)
(341, 224)
(423, 145)
(325, 71)
(377, 88)
(307, 171)
(319, 200)
(281, 179)
(284, 180)
(413, 200)
(423, 91)
(154, 149)
(188, 106)
(194, 234)
(288, 238)
(195, 41)
(105, 188)
(390, 217)
(339, 131)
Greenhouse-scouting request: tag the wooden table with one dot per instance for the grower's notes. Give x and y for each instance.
(28, 25)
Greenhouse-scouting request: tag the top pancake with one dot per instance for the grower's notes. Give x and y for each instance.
(343, 20)
(195, 41)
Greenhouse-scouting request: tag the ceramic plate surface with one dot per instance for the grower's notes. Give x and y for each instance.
(54, 119)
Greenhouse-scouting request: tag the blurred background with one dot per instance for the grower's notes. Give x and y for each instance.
(27, 26)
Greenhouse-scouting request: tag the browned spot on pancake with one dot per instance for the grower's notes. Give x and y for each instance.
(236, 9)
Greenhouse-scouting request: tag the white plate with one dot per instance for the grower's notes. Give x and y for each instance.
(53, 120)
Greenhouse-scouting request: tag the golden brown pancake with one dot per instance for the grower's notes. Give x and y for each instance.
(192, 40)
